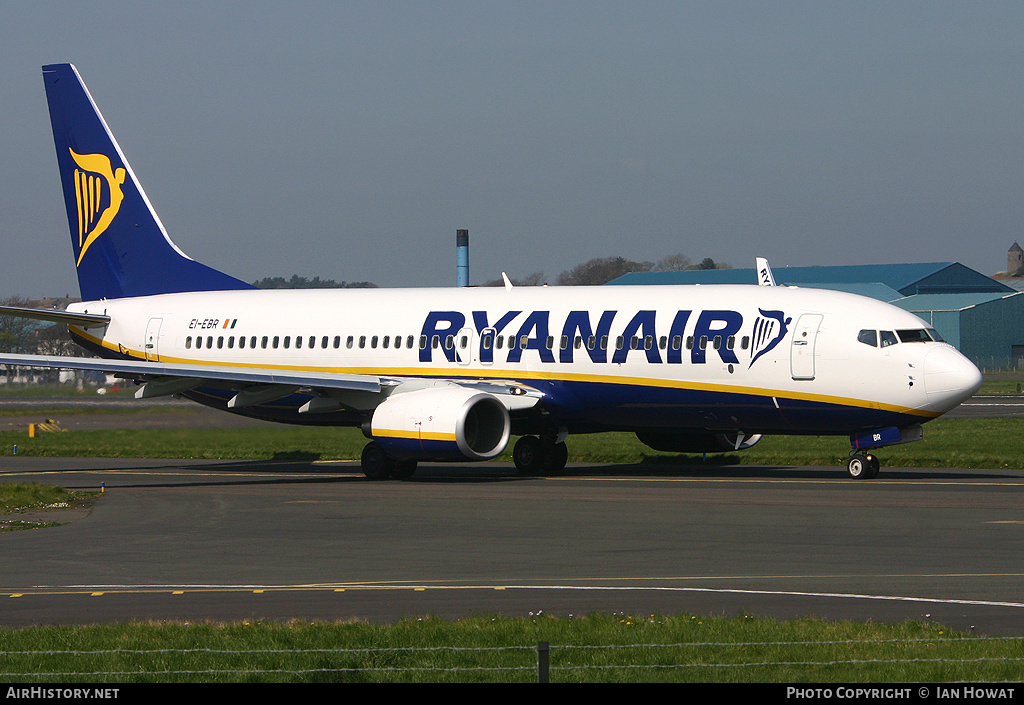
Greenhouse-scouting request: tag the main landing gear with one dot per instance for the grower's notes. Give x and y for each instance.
(532, 456)
(378, 466)
(863, 466)
(539, 456)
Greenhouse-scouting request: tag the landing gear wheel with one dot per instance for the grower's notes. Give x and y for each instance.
(403, 469)
(538, 456)
(559, 457)
(375, 464)
(863, 466)
(528, 455)
(874, 464)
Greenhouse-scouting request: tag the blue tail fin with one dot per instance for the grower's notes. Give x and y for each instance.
(121, 247)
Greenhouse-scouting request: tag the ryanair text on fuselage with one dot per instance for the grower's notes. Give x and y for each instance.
(579, 331)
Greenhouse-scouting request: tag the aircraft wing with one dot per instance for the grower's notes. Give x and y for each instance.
(139, 369)
(258, 385)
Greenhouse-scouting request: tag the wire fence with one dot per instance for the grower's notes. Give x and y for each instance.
(526, 662)
(998, 363)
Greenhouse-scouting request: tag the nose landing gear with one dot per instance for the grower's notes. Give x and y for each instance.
(863, 466)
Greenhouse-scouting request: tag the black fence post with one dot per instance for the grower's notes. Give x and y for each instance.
(543, 651)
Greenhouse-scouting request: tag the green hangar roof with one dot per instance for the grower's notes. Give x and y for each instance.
(907, 279)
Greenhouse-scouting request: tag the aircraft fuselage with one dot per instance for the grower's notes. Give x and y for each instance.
(758, 359)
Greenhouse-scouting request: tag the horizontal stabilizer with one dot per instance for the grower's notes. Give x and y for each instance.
(45, 314)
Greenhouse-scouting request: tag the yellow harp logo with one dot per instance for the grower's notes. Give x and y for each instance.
(98, 193)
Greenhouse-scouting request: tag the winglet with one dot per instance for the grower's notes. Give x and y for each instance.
(764, 272)
(508, 282)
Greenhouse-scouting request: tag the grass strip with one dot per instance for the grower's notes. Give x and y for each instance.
(596, 648)
(20, 498)
(960, 443)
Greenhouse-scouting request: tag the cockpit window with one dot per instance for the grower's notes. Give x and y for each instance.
(918, 335)
(868, 337)
(886, 338)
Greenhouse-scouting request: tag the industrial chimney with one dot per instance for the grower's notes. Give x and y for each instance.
(462, 254)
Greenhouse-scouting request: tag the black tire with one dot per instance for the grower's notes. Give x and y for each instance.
(375, 464)
(862, 466)
(537, 456)
(873, 466)
(403, 469)
(559, 457)
(529, 457)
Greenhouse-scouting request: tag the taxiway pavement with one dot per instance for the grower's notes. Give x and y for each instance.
(220, 540)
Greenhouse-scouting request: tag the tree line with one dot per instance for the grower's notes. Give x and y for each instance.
(602, 270)
(595, 272)
(297, 282)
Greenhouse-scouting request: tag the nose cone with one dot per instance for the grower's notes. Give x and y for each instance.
(949, 378)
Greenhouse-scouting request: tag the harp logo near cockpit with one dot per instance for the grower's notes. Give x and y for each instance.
(98, 195)
(769, 330)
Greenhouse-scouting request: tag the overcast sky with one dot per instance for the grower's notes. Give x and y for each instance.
(350, 140)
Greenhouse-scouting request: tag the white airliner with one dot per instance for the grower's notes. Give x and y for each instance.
(453, 373)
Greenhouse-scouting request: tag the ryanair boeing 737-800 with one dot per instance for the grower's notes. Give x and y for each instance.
(453, 373)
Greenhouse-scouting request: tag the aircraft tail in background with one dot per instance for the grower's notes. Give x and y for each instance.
(120, 246)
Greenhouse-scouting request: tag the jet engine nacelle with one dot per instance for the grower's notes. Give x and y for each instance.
(441, 423)
(681, 442)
